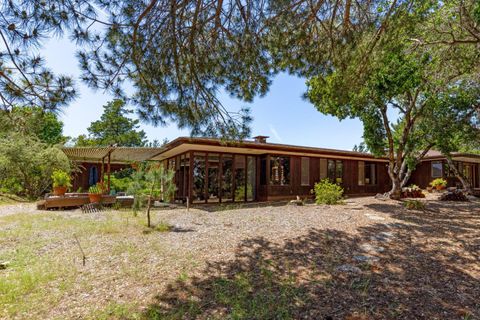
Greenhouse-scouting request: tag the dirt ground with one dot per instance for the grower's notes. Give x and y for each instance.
(364, 259)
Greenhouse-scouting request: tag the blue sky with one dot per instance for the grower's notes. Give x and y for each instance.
(282, 114)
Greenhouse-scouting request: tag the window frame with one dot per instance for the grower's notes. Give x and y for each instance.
(289, 177)
(441, 169)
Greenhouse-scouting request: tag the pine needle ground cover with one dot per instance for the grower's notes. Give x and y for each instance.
(363, 259)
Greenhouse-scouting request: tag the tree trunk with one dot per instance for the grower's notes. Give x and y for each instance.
(396, 191)
(465, 184)
(149, 205)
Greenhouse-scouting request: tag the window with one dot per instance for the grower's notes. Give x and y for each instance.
(370, 174)
(331, 170)
(335, 171)
(251, 175)
(361, 173)
(367, 173)
(437, 169)
(227, 178)
(339, 172)
(280, 171)
(305, 171)
(198, 177)
(323, 169)
(240, 177)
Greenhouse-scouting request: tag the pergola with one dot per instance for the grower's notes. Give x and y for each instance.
(109, 155)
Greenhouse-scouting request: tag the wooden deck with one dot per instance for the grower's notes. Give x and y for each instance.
(71, 200)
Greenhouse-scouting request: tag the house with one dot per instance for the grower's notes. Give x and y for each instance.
(434, 165)
(213, 170)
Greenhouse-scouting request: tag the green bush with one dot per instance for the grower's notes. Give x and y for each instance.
(414, 205)
(327, 192)
(61, 179)
(439, 182)
(27, 165)
(118, 184)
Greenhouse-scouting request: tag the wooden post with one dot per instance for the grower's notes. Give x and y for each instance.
(102, 169)
(108, 172)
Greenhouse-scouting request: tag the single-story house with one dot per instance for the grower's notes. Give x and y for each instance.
(213, 170)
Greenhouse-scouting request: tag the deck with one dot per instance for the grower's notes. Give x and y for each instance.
(73, 200)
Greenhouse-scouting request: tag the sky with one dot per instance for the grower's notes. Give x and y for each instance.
(282, 114)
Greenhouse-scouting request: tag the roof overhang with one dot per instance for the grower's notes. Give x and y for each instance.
(117, 154)
(182, 145)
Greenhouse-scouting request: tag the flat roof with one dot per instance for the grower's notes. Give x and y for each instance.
(184, 144)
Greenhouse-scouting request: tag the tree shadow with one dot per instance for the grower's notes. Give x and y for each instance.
(385, 271)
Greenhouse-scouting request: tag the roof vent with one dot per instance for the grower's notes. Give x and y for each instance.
(261, 139)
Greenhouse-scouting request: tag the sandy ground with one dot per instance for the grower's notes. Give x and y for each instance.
(367, 258)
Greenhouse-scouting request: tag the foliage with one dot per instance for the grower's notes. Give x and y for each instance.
(61, 179)
(32, 121)
(414, 205)
(151, 180)
(99, 188)
(439, 182)
(362, 147)
(327, 192)
(240, 192)
(114, 127)
(119, 184)
(26, 165)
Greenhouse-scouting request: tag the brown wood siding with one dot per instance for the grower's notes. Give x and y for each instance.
(422, 175)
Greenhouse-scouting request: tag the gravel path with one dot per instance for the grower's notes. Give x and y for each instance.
(9, 209)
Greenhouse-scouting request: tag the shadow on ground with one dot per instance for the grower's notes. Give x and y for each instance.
(425, 267)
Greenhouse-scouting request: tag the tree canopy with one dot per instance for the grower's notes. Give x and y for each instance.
(32, 121)
(114, 127)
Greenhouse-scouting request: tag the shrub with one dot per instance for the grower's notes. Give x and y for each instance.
(27, 165)
(327, 192)
(414, 205)
(439, 182)
(61, 179)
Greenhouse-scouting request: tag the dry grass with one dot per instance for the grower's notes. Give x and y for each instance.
(266, 262)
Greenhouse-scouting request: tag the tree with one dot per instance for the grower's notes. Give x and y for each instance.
(151, 181)
(114, 127)
(361, 147)
(26, 165)
(396, 75)
(453, 123)
(32, 121)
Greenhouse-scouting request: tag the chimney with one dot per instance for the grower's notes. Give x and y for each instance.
(261, 139)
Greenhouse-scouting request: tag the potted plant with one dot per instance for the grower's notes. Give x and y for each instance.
(61, 181)
(95, 193)
(439, 184)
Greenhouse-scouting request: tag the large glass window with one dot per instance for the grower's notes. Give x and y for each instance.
(213, 181)
(199, 177)
(305, 181)
(280, 171)
(361, 173)
(335, 171)
(251, 178)
(240, 178)
(227, 177)
(437, 169)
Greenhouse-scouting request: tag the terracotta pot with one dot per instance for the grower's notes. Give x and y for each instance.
(94, 197)
(440, 187)
(59, 191)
